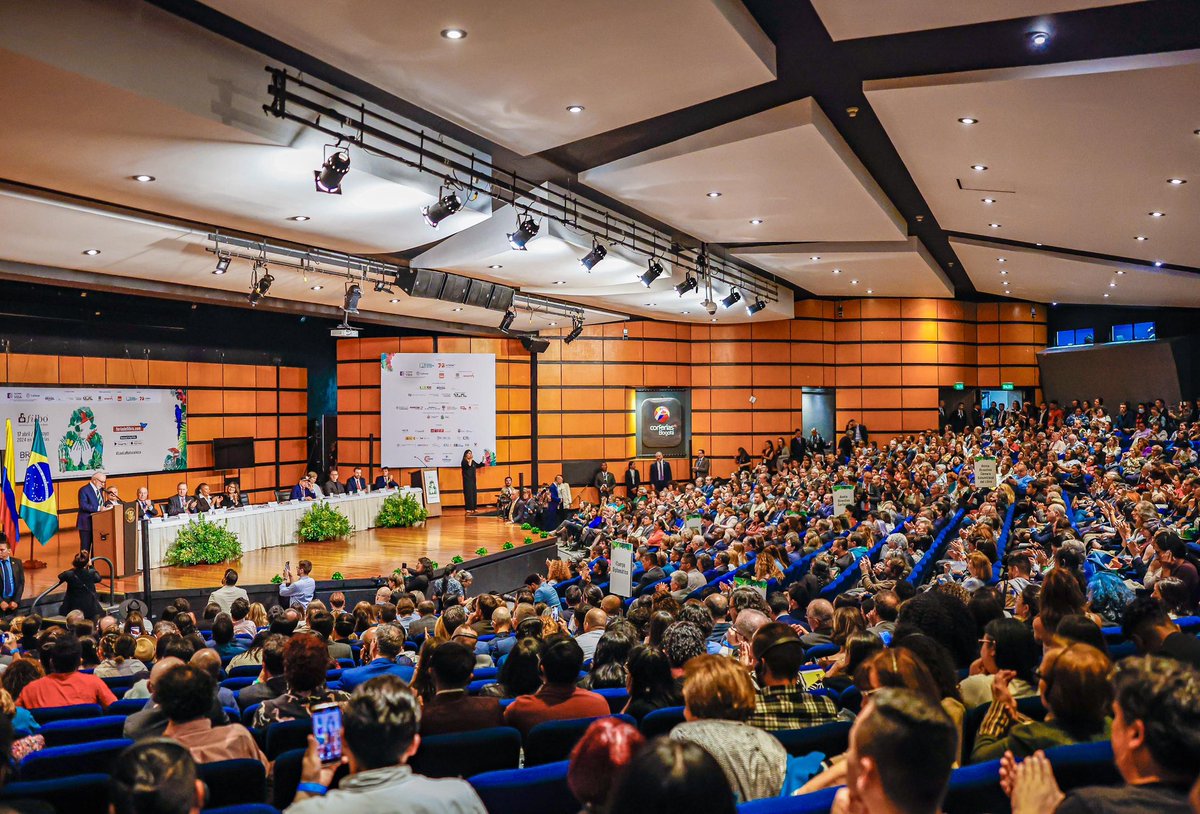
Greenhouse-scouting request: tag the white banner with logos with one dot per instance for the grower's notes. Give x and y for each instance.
(88, 428)
(987, 475)
(621, 569)
(435, 406)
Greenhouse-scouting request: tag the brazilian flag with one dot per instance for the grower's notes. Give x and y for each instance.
(39, 504)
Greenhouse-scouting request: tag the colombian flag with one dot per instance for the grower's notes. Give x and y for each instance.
(39, 505)
(8, 498)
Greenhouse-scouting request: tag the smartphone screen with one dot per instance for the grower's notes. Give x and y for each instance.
(327, 729)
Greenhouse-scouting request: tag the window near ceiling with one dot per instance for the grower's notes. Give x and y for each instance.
(1074, 338)
(1132, 331)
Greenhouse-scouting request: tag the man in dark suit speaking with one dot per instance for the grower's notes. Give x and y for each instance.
(660, 472)
(91, 497)
(12, 579)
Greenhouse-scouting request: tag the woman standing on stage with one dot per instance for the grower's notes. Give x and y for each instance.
(81, 581)
(470, 491)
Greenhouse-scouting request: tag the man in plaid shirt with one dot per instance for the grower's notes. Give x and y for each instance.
(782, 703)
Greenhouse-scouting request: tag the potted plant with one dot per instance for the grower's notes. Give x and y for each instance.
(204, 542)
(400, 511)
(323, 522)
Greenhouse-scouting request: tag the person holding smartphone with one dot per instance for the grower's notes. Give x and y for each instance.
(378, 736)
(303, 588)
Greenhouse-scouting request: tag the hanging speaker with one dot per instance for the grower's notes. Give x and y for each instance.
(534, 344)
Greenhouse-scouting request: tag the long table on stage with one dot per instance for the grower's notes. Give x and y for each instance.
(270, 524)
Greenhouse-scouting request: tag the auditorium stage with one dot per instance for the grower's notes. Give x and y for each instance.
(366, 554)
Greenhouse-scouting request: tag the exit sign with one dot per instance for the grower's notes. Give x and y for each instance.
(1006, 386)
(958, 385)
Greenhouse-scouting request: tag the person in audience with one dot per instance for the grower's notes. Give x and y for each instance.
(65, 685)
(380, 725)
(151, 721)
(520, 674)
(228, 592)
(820, 623)
(1007, 644)
(224, 642)
(1148, 625)
(858, 648)
(1155, 742)
(118, 651)
(380, 657)
(184, 694)
(321, 623)
(781, 703)
(672, 777)
(81, 580)
(598, 759)
(651, 685)
(305, 660)
(1075, 691)
(594, 624)
(156, 776)
(239, 614)
(719, 699)
(901, 751)
(272, 680)
(452, 709)
(558, 698)
(303, 589)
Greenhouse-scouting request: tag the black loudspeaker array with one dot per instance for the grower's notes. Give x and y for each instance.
(440, 285)
(535, 345)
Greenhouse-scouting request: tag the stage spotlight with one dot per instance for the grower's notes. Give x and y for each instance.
(598, 253)
(509, 316)
(381, 287)
(527, 229)
(329, 177)
(353, 295)
(733, 298)
(446, 206)
(576, 330)
(653, 271)
(223, 261)
(756, 306)
(260, 288)
(689, 283)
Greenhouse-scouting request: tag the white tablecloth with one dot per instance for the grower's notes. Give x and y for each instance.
(271, 524)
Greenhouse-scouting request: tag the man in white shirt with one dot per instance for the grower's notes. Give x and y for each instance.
(564, 492)
(594, 624)
(228, 591)
(303, 589)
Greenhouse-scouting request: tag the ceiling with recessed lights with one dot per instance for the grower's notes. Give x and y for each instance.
(761, 133)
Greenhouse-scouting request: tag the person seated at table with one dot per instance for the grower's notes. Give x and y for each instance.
(232, 498)
(112, 498)
(357, 483)
(178, 503)
(315, 483)
(334, 485)
(145, 506)
(202, 501)
(304, 489)
(385, 481)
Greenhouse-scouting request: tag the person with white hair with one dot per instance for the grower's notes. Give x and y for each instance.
(896, 545)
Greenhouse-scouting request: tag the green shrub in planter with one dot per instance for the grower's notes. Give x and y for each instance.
(456, 560)
(526, 526)
(277, 580)
(323, 522)
(433, 565)
(528, 541)
(400, 512)
(337, 575)
(508, 546)
(543, 534)
(479, 552)
(204, 542)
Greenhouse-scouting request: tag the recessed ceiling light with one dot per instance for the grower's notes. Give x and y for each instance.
(552, 324)
(1001, 259)
(1157, 214)
(1054, 303)
(989, 200)
(1106, 295)
(1004, 271)
(453, 33)
(1037, 244)
(815, 257)
(393, 300)
(979, 167)
(1112, 285)
(91, 252)
(837, 271)
(456, 310)
(317, 287)
(1120, 271)
(683, 312)
(1157, 264)
(1038, 38)
(300, 218)
(1176, 181)
(994, 225)
(968, 120)
(651, 304)
(575, 108)
(714, 319)
(854, 282)
(755, 221)
(1141, 238)
(142, 179)
(870, 291)
(713, 194)
(1004, 282)
(495, 266)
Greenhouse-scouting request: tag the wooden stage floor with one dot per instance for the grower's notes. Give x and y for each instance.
(366, 554)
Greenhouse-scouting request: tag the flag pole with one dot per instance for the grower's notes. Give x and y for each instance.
(33, 563)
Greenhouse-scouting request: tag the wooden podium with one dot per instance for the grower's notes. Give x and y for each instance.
(427, 481)
(114, 535)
